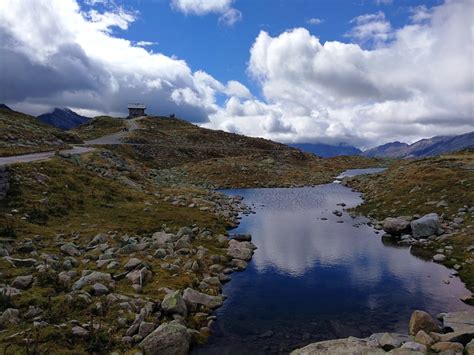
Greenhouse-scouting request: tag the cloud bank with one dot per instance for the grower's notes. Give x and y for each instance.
(388, 84)
(413, 82)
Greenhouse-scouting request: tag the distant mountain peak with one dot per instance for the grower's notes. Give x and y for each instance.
(423, 148)
(5, 107)
(63, 118)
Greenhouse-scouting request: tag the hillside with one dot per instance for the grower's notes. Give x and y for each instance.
(423, 148)
(21, 134)
(64, 119)
(327, 150)
(98, 127)
(180, 151)
(94, 244)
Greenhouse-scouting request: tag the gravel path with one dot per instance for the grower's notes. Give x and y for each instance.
(109, 139)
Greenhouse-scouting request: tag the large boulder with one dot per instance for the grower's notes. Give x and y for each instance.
(458, 321)
(396, 226)
(9, 317)
(421, 320)
(193, 298)
(173, 303)
(168, 339)
(425, 226)
(91, 279)
(240, 250)
(347, 346)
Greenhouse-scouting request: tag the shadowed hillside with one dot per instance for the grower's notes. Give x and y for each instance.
(21, 134)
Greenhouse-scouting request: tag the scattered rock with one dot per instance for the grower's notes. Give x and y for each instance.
(411, 345)
(445, 346)
(70, 249)
(439, 258)
(340, 346)
(145, 329)
(240, 250)
(168, 339)
(194, 298)
(10, 316)
(396, 226)
(22, 282)
(421, 320)
(79, 332)
(99, 290)
(132, 264)
(425, 226)
(423, 338)
(173, 303)
(91, 279)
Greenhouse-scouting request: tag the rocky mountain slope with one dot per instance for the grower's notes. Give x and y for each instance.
(182, 152)
(64, 119)
(423, 148)
(326, 150)
(21, 134)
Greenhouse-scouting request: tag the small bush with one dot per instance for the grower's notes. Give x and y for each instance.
(38, 216)
(7, 232)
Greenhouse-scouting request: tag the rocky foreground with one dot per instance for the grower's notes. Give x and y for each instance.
(110, 277)
(454, 336)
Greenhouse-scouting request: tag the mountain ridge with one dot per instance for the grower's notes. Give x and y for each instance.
(423, 148)
(64, 118)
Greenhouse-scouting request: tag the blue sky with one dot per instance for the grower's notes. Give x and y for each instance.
(223, 51)
(359, 72)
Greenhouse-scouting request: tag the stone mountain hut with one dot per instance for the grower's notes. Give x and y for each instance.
(136, 110)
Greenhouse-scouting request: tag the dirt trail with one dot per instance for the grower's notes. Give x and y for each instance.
(115, 138)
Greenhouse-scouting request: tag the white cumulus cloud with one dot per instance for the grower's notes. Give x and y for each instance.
(228, 15)
(72, 58)
(419, 84)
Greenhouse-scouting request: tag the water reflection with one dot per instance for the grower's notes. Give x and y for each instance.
(315, 278)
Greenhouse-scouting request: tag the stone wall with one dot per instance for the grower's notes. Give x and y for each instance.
(4, 181)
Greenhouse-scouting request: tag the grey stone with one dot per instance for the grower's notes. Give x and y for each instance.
(396, 226)
(22, 282)
(439, 258)
(91, 279)
(240, 250)
(99, 289)
(173, 303)
(194, 298)
(411, 345)
(145, 329)
(79, 332)
(168, 339)
(70, 249)
(421, 320)
(9, 317)
(132, 263)
(458, 321)
(425, 226)
(347, 346)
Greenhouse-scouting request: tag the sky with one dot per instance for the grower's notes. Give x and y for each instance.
(358, 72)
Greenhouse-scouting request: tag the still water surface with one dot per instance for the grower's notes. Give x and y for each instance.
(313, 279)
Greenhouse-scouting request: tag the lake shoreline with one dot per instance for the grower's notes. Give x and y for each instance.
(263, 334)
